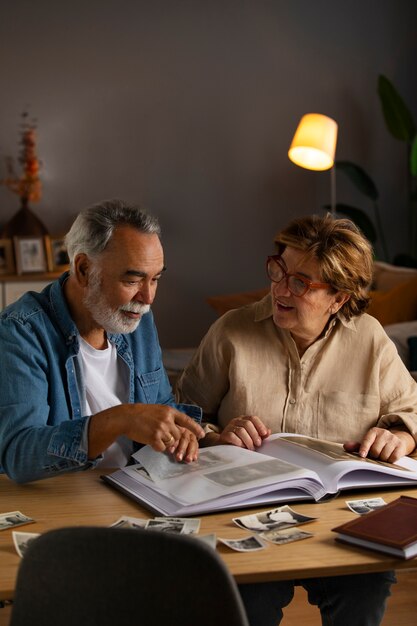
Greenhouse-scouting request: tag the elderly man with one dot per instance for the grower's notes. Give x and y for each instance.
(82, 378)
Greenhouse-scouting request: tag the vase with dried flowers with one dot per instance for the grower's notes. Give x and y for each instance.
(27, 186)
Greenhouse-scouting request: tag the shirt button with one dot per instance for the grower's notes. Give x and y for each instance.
(292, 401)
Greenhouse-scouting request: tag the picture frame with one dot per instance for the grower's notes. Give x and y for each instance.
(56, 253)
(30, 255)
(7, 264)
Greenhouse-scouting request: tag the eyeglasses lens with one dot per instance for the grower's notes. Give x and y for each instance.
(276, 273)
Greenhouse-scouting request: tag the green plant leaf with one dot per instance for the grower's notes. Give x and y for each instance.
(359, 178)
(397, 116)
(359, 217)
(413, 157)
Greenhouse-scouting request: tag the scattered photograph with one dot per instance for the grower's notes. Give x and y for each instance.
(30, 254)
(191, 524)
(285, 536)
(210, 540)
(56, 252)
(248, 544)
(7, 265)
(362, 507)
(165, 525)
(129, 522)
(178, 525)
(282, 517)
(22, 540)
(14, 518)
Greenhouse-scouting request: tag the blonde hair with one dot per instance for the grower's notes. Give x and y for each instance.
(344, 255)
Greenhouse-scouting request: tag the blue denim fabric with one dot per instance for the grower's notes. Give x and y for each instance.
(41, 387)
(352, 600)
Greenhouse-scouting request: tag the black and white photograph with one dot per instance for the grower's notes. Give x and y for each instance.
(165, 526)
(30, 255)
(245, 474)
(22, 540)
(362, 507)
(56, 253)
(14, 518)
(285, 536)
(210, 540)
(129, 522)
(282, 517)
(164, 466)
(247, 544)
(191, 525)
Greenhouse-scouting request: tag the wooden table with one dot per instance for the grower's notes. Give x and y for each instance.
(82, 498)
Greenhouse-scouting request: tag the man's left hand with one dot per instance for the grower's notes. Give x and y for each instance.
(186, 448)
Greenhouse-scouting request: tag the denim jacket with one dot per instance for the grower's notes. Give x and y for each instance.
(41, 386)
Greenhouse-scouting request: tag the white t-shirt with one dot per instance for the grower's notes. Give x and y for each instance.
(106, 379)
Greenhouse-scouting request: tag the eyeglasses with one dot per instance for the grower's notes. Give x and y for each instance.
(296, 284)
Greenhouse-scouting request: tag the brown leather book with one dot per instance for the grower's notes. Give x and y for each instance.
(391, 529)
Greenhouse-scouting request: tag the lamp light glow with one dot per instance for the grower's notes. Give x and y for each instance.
(314, 144)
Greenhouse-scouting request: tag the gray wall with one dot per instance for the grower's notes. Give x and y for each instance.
(188, 107)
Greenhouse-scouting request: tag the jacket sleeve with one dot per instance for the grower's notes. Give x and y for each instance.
(30, 447)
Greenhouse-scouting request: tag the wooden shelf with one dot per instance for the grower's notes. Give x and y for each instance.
(12, 286)
(29, 277)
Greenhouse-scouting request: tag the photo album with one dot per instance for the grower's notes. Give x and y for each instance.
(286, 468)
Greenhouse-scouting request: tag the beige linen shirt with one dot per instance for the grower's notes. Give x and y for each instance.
(346, 382)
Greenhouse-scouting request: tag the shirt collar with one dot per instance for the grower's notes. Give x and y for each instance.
(263, 308)
(59, 306)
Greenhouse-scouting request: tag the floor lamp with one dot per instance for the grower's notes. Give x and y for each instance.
(314, 147)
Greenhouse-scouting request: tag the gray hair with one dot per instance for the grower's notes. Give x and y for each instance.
(95, 225)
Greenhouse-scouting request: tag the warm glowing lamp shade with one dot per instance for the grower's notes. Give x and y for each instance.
(314, 143)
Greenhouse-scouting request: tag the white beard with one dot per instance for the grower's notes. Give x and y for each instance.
(112, 320)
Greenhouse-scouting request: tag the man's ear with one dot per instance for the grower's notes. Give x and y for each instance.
(81, 268)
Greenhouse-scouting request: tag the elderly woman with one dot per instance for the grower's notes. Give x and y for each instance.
(308, 359)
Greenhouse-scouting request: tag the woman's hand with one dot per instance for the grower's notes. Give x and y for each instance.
(246, 431)
(385, 445)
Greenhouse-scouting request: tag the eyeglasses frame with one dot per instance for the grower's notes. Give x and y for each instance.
(309, 284)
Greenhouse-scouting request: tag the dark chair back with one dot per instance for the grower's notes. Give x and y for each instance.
(121, 577)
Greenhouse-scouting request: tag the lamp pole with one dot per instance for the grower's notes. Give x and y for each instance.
(333, 190)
